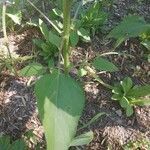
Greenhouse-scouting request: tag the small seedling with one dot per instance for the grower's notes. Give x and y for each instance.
(129, 95)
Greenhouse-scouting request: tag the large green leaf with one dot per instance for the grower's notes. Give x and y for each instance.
(104, 65)
(60, 102)
(131, 26)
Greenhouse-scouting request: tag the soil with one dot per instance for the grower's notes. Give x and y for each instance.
(18, 110)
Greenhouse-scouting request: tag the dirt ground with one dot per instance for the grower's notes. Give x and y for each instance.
(18, 111)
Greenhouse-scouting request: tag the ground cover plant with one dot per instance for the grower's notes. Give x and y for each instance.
(63, 77)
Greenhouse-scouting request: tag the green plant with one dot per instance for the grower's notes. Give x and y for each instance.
(128, 95)
(49, 46)
(93, 18)
(138, 144)
(60, 98)
(7, 144)
(130, 27)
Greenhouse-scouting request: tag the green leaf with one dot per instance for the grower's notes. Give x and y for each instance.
(44, 29)
(116, 97)
(131, 26)
(141, 102)
(104, 65)
(126, 84)
(95, 118)
(124, 102)
(84, 34)
(17, 17)
(18, 145)
(82, 139)
(34, 69)
(38, 42)
(74, 38)
(57, 12)
(140, 91)
(146, 44)
(60, 102)
(129, 111)
(46, 47)
(5, 143)
(82, 72)
(54, 39)
(117, 89)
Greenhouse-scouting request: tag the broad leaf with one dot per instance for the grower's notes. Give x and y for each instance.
(60, 102)
(83, 139)
(131, 26)
(139, 91)
(126, 84)
(104, 65)
(34, 69)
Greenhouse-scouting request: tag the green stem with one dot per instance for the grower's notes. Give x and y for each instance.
(66, 33)
(44, 16)
(103, 83)
(95, 76)
(4, 23)
(6, 38)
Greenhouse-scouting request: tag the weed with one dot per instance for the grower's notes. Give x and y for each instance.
(128, 95)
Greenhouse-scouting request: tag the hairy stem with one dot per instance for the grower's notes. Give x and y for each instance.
(66, 33)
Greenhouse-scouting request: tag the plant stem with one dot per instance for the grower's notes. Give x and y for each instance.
(94, 75)
(66, 33)
(44, 16)
(6, 43)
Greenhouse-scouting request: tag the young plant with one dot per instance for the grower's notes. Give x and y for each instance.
(8, 62)
(60, 98)
(49, 46)
(94, 17)
(132, 26)
(128, 95)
